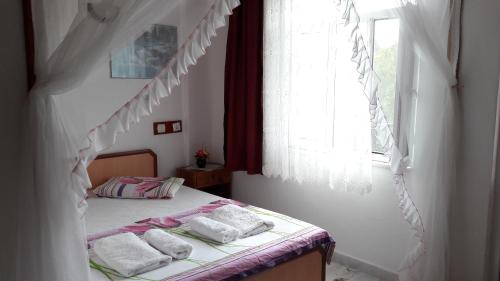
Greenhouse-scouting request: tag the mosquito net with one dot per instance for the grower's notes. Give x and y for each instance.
(67, 125)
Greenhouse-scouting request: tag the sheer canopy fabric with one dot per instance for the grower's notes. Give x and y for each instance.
(433, 27)
(300, 85)
(68, 126)
(423, 150)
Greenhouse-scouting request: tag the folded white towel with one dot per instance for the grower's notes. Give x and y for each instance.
(214, 230)
(168, 244)
(129, 255)
(247, 222)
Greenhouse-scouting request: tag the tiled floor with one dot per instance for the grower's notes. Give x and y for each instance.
(337, 272)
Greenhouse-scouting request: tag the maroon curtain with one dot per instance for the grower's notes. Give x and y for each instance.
(243, 88)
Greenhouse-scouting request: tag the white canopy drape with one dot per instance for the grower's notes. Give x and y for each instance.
(434, 28)
(67, 127)
(423, 149)
(313, 114)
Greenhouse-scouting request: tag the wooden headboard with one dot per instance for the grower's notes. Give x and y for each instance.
(139, 163)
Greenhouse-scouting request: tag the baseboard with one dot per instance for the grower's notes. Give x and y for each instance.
(364, 266)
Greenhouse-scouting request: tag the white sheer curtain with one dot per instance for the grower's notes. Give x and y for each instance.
(433, 27)
(316, 119)
(306, 59)
(58, 147)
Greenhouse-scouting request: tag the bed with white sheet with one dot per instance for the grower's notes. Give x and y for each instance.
(107, 213)
(292, 250)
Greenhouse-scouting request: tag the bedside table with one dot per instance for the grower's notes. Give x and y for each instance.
(214, 179)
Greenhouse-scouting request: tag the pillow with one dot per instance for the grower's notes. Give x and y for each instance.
(139, 187)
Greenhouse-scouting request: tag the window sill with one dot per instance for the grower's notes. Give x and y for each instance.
(380, 160)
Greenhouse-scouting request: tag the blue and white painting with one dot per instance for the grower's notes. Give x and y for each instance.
(147, 55)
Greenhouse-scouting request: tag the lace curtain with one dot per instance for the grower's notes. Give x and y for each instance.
(321, 91)
(65, 127)
(316, 119)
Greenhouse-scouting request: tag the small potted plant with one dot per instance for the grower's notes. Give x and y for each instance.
(201, 157)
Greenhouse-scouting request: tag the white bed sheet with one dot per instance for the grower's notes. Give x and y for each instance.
(106, 214)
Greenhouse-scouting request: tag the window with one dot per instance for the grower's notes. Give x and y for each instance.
(384, 49)
(390, 55)
(317, 76)
(381, 28)
(316, 122)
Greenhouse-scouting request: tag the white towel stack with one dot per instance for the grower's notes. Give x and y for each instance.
(247, 222)
(168, 244)
(214, 230)
(129, 255)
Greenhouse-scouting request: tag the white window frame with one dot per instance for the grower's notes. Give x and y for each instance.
(406, 58)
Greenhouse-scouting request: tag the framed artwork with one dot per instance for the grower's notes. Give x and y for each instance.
(144, 58)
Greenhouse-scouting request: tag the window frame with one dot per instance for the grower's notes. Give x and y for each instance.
(371, 19)
(408, 62)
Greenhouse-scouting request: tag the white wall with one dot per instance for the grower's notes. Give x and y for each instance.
(206, 95)
(13, 91)
(199, 102)
(170, 148)
(104, 95)
(192, 102)
(108, 94)
(479, 74)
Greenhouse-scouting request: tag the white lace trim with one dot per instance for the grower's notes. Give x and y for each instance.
(370, 81)
(141, 105)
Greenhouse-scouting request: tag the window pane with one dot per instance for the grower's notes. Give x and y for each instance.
(385, 57)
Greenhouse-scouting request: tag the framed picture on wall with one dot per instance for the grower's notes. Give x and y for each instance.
(144, 58)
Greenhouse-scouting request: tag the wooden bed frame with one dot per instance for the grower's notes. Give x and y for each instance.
(309, 266)
(139, 163)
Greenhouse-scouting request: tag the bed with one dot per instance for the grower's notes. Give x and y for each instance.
(294, 250)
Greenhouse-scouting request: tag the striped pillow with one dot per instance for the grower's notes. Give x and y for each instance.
(139, 187)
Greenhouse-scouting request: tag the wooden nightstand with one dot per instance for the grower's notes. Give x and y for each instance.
(214, 179)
